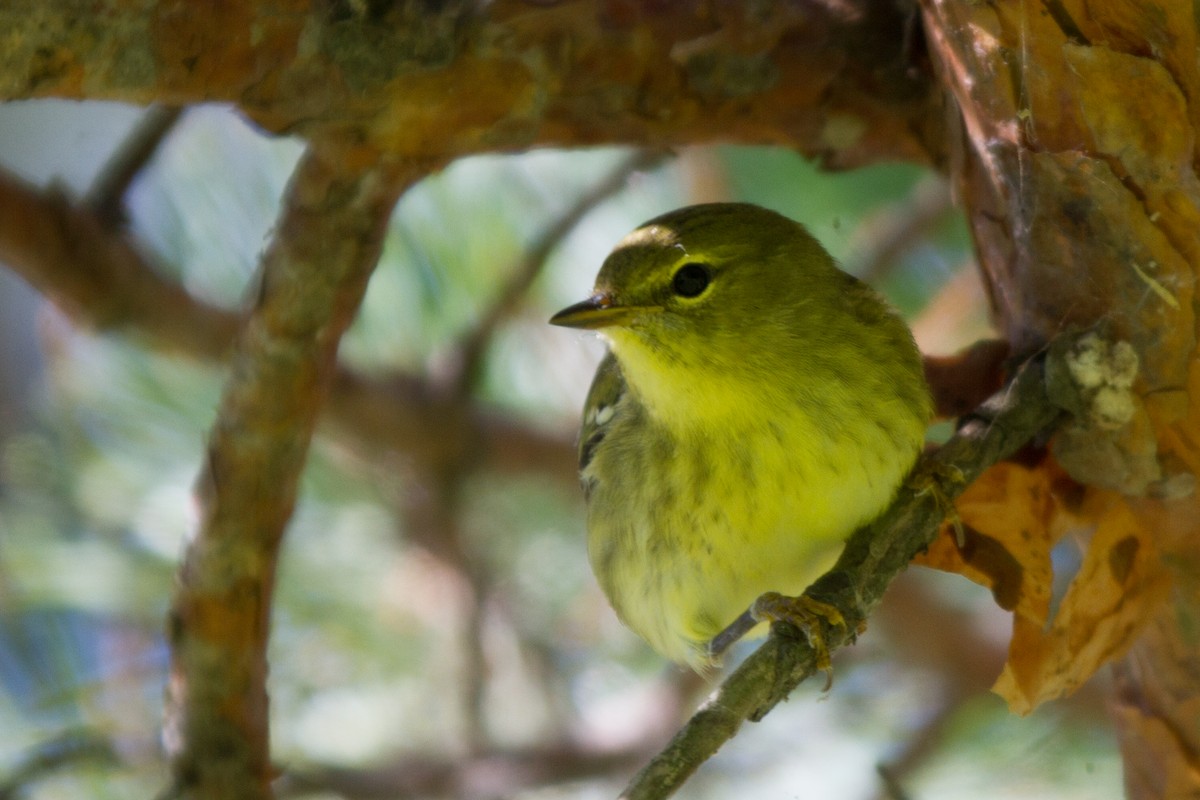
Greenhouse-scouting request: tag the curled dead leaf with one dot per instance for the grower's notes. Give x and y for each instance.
(1014, 516)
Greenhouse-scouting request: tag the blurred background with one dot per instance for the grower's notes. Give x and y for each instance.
(493, 668)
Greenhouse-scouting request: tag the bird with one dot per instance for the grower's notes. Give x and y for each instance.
(756, 405)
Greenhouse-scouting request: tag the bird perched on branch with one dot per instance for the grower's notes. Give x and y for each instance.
(757, 405)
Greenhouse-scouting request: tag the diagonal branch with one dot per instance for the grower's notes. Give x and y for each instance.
(885, 236)
(98, 277)
(874, 555)
(101, 279)
(106, 195)
(533, 261)
(315, 271)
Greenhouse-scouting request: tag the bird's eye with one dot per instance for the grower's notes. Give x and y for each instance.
(691, 279)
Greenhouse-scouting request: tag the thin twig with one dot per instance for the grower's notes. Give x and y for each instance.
(106, 195)
(474, 345)
(891, 232)
(920, 745)
(873, 556)
(929, 636)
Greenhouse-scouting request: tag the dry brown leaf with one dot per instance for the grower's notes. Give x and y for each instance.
(1014, 516)
(1120, 586)
(1007, 516)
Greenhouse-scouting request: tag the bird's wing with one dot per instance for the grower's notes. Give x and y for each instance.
(607, 388)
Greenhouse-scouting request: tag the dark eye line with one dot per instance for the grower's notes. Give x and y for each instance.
(691, 279)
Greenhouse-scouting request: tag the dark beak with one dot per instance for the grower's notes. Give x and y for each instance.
(596, 312)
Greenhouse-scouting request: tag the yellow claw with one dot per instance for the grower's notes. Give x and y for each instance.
(805, 613)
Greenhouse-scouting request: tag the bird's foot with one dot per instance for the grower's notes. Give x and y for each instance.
(804, 613)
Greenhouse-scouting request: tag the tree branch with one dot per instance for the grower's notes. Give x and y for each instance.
(314, 274)
(106, 195)
(874, 555)
(841, 81)
(100, 279)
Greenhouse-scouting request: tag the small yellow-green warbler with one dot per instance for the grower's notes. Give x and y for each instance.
(757, 405)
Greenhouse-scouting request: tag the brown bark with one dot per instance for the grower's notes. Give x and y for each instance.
(1078, 170)
(315, 272)
(845, 82)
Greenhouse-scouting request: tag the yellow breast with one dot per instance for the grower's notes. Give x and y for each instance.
(690, 527)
